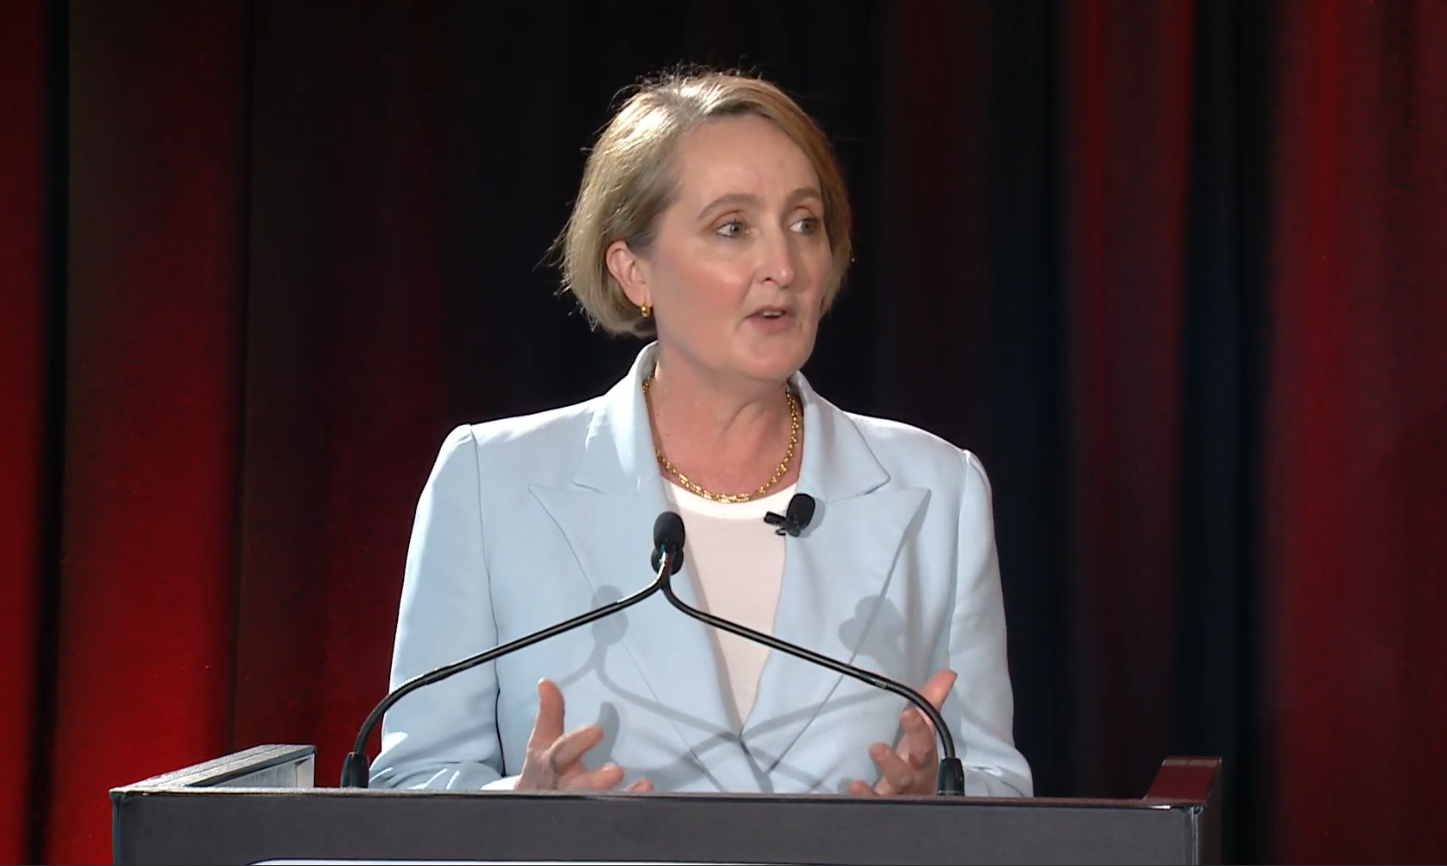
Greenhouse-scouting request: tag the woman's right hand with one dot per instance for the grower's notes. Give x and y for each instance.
(554, 760)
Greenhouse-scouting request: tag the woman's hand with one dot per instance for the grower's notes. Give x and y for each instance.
(555, 760)
(910, 768)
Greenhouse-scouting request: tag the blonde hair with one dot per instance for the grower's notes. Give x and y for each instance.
(628, 182)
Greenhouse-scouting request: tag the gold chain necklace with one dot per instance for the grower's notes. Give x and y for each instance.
(796, 421)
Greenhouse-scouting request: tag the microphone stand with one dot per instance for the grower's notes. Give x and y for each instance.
(356, 771)
(949, 781)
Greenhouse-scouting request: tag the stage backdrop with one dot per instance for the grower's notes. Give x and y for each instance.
(1176, 271)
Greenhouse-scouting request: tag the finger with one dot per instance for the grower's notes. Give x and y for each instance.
(861, 789)
(548, 726)
(882, 788)
(567, 750)
(938, 688)
(605, 778)
(892, 767)
(918, 747)
(642, 786)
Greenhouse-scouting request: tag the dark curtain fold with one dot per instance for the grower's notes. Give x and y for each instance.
(1175, 271)
(1217, 613)
(27, 289)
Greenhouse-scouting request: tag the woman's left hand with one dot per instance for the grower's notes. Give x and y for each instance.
(910, 768)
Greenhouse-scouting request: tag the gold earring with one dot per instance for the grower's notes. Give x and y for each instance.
(645, 311)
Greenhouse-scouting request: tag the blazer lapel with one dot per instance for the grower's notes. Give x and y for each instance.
(835, 574)
(607, 516)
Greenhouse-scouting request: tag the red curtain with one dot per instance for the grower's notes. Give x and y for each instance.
(345, 366)
(1356, 492)
(1126, 157)
(255, 261)
(154, 322)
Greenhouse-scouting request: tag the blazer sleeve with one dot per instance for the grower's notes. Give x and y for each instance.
(444, 736)
(980, 709)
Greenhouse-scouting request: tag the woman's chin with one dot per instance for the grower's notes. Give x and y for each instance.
(776, 362)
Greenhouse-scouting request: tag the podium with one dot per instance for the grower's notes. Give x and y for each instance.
(262, 806)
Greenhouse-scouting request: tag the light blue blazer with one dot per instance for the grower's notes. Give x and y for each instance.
(525, 522)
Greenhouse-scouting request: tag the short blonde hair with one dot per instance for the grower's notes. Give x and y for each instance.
(628, 182)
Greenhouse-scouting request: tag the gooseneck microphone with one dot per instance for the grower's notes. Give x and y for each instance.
(667, 560)
(795, 518)
(950, 779)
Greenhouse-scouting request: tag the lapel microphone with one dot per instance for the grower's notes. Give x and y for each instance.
(795, 518)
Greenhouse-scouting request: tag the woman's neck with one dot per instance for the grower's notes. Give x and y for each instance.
(726, 437)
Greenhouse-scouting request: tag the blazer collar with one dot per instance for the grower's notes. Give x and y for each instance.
(618, 452)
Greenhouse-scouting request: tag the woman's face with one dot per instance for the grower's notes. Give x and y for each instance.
(737, 270)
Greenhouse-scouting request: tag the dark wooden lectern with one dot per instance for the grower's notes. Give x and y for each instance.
(260, 805)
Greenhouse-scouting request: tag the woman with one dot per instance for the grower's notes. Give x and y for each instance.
(712, 216)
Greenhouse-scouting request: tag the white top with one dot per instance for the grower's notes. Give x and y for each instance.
(737, 563)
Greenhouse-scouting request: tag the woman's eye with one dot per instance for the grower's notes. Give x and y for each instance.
(807, 225)
(730, 229)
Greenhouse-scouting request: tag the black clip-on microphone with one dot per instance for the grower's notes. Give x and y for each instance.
(950, 780)
(795, 518)
(667, 560)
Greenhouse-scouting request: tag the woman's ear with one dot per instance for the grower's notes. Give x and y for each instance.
(631, 272)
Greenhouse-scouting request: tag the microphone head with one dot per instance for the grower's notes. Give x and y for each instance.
(799, 513)
(668, 538)
(668, 531)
